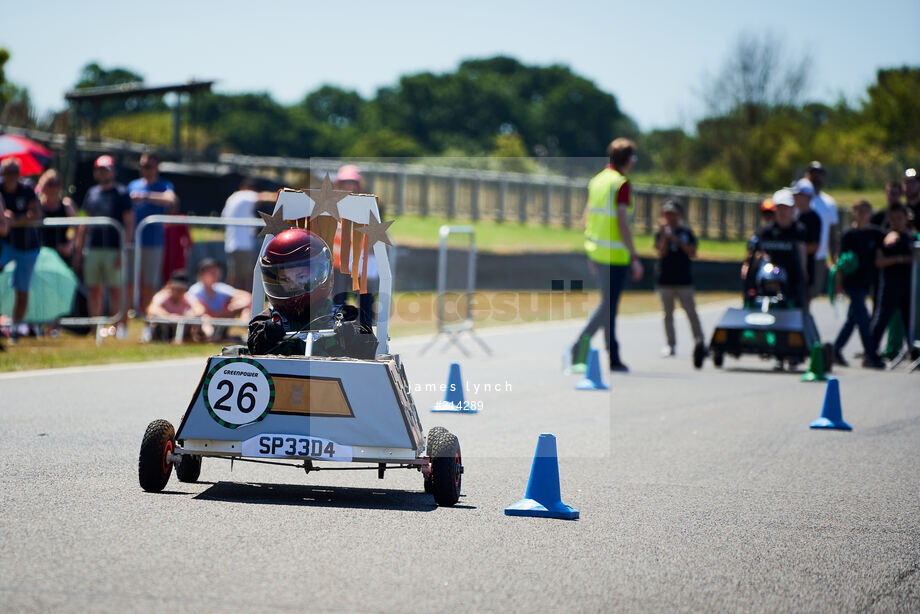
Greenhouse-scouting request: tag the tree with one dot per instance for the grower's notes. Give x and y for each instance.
(748, 101)
(894, 107)
(334, 106)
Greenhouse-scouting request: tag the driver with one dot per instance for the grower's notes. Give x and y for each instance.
(297, 275)
(783, 241)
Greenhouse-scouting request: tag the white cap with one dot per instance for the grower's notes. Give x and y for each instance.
(783, 198)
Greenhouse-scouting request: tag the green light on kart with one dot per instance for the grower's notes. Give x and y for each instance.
(771, 338)
(749, 336)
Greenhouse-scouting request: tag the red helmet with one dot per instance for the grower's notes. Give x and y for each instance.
(296, 272)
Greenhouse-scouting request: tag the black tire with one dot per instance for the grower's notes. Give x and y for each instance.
(446, 466)
(718, 359)
(699, 355)
(153, 468)
(189, 468)
(828, 350)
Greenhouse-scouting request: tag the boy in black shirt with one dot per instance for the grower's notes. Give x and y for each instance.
(894, 258)
(783, 241)
(860, 241)
(676, 246)
(811, 223)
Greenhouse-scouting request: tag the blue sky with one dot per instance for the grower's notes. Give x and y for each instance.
(652, 55)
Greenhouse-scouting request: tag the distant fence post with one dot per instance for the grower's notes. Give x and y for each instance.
(452, 199)
(567, 207)
(523, 194)
(648, 212)
(423, 195)
(723, 219)
(401, 192)
(704, 222)
(502, 197)
(475, 187)
(548, 203)
(742, 221)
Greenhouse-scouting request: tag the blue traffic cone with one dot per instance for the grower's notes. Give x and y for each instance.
(831, 413)
(453, 396)
(542, 498)
(593, 380)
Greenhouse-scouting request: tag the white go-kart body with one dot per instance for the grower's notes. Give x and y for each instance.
(307, 411)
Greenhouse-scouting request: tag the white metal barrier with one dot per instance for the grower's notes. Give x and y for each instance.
(188, 220)
(454, 329)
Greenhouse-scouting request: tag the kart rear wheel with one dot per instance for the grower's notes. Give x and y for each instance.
(189, 468)
(718, 358)
(446, 466)
(154, 463)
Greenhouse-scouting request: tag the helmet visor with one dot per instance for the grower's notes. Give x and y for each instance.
(295, 279)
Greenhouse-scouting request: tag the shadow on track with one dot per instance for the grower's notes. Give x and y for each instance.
(320, 496)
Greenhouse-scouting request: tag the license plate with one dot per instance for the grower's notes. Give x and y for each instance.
(270, 445)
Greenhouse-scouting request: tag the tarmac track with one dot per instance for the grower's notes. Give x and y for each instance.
(698, 490)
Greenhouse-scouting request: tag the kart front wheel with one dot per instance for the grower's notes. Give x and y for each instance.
(446, 466)
(189, 468)
(154, 464)
(718, 358)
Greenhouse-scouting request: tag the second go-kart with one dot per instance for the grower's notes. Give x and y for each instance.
(769, 324)
(309, 411)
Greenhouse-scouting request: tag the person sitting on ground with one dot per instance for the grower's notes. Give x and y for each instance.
(174, 302)
(297, 274)
(894, 258)
(220, 300)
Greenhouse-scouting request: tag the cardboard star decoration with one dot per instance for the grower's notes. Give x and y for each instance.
(376, 232)
(274, 223)
(326, 200)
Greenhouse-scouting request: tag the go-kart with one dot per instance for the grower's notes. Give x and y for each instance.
(769, 324)
(311, 412)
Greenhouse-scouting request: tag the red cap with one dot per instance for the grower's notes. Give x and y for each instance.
(105, 161)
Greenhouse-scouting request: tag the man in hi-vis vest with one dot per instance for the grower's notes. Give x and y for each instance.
(609, 244)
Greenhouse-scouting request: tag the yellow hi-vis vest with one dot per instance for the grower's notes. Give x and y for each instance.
(603, 242)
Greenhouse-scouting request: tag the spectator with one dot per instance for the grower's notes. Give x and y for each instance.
(826, 209)
(20, 209)
(173, 301)
(893, 194)
(783, 243)
(912, 193)
(767, 212)
(859, 243)
(151, 195)
(219, 300)
(98, 249)
(894, 257)
(239, 241)
(803, 193)
(676, 245)
(49, 195)
(348, 179)
(609, 244)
